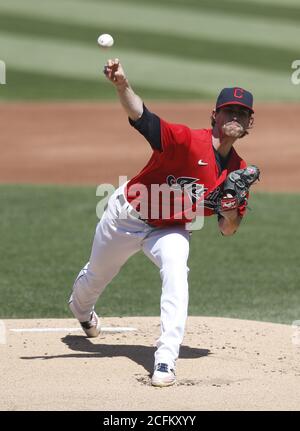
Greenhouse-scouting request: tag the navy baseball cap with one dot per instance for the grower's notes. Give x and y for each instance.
(235, 96)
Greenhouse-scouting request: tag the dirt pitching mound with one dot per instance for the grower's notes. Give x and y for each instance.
(224, 364)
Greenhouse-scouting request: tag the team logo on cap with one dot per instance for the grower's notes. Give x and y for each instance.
(238, 93)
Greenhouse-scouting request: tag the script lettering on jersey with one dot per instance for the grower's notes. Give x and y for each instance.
(187, 185)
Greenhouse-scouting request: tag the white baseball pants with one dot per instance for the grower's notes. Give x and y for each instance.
(116, 239)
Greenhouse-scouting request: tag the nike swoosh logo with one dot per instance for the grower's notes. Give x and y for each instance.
(201, 163)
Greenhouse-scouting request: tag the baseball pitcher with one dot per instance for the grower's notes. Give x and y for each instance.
(202, 170)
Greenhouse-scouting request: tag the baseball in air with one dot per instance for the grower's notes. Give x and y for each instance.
(105, 41)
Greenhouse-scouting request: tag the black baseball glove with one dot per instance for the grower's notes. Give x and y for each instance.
(236, 188)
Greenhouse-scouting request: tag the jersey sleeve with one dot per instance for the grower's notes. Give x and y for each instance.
(149, 126)
(161, 135)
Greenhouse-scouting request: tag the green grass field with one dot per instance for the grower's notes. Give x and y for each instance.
(171, 49)
(46, 235)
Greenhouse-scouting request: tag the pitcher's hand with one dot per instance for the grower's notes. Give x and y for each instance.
(114, 72)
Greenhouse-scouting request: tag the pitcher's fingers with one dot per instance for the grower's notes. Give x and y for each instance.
(106, 70)
(114, 67)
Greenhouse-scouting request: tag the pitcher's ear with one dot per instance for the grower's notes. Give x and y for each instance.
(213, 118)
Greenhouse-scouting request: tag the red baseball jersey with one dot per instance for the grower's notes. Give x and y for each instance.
(185, 160)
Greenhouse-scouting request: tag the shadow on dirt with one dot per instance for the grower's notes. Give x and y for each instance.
(142, 355)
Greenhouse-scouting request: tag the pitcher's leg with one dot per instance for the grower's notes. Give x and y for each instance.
(109, 252)
(169, 250)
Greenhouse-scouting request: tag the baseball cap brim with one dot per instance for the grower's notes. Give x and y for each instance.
(235, 103)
